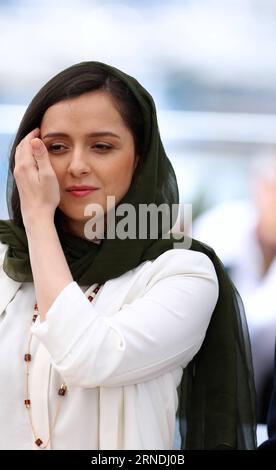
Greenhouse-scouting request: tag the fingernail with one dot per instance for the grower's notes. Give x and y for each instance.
(39, 147)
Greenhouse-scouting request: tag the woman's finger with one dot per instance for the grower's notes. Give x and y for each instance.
(40, 154)
(22, 145)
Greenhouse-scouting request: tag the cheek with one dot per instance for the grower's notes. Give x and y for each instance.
(119, 176)
(124, 168)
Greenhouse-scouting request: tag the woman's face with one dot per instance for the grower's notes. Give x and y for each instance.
(89, 145)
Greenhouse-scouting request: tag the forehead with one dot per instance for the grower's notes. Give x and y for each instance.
(95, 108)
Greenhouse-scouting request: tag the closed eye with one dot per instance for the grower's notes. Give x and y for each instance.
(102, 147)
(56, 147)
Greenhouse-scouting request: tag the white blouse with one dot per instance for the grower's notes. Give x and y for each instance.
(121, 356)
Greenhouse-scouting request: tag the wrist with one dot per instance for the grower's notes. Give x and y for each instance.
(38, 224)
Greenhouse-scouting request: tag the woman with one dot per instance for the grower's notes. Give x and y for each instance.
(116, 319)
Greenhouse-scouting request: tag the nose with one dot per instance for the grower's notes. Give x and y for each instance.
(79, 163)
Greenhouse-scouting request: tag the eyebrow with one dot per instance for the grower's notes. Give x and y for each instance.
(92, 134)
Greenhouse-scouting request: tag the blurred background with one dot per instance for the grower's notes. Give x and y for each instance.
(209, 64)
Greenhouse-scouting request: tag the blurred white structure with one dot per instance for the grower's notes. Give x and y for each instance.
(221, 41)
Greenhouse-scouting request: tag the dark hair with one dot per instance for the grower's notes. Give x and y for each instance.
(72, 82)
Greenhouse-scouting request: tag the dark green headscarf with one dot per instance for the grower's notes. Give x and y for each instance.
(217, 396)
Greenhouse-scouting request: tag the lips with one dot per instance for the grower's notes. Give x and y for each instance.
(82, 193)
(80, 190)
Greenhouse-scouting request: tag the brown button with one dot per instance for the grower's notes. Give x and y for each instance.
(62, 390)
(38, 442)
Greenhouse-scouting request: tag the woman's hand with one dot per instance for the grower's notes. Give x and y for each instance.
(36, 180)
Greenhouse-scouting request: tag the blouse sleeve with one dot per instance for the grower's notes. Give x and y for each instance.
(3, 249)
(156, 333)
